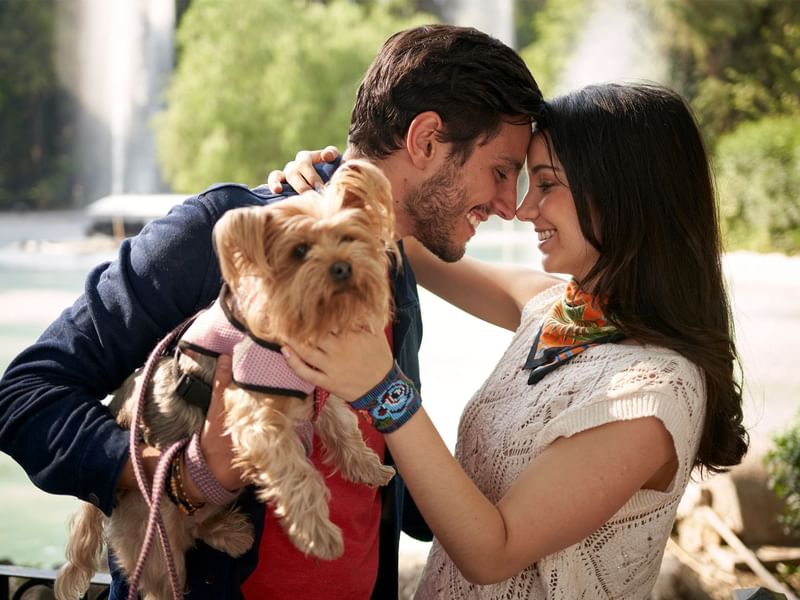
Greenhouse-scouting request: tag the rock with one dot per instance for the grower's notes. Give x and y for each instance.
(746, 504)
(676, 580)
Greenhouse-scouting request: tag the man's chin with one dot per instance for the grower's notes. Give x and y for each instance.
(449, 254)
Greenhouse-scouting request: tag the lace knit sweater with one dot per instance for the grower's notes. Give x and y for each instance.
(508, 423)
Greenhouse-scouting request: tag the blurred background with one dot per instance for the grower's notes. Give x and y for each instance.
(112, 111)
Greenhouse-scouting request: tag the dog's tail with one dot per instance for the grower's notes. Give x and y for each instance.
(84, 551)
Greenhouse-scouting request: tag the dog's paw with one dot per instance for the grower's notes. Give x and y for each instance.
(384, 476)
(323, 540)
(374, 475)
(237, 544)
(232, 534)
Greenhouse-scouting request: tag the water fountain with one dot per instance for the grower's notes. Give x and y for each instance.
(115, 59)
(495, 18)
(617, 44)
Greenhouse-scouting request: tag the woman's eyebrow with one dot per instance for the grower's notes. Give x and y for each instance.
(542, 167)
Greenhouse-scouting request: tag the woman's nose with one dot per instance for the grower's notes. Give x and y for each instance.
(528, 210)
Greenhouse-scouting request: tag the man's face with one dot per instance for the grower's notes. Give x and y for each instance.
(445, 210)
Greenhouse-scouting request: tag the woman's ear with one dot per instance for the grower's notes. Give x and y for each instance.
(422, 140)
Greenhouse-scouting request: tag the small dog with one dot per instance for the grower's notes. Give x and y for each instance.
(300, 269)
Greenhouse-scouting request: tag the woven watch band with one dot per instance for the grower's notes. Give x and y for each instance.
(391, 403)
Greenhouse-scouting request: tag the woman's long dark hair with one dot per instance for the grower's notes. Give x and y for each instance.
(640, 176)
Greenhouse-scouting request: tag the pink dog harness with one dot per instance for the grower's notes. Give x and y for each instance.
(258, 365)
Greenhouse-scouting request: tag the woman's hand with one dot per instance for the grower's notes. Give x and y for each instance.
(347, 364)
(300, 172)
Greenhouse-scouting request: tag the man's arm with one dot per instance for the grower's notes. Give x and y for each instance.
(492, 292)
(52, 421)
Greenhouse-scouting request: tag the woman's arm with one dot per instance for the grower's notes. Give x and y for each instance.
(565, 494)
(491, 292)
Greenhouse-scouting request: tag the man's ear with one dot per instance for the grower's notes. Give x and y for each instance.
(422, 140)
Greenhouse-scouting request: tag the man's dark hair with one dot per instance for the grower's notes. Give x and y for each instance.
(472, 80)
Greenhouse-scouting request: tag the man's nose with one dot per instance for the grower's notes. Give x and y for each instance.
(505, 204)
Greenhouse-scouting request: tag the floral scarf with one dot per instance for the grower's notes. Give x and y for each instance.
(572, 325)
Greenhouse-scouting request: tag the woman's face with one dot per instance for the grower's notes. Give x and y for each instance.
(550, 207)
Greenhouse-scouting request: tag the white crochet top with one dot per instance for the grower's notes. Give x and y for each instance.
(507, 423)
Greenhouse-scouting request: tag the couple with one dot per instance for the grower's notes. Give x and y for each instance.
(572, 456)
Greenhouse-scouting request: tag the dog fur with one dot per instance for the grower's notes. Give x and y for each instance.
(277, 262)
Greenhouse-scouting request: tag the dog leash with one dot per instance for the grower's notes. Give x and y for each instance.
(153, 497)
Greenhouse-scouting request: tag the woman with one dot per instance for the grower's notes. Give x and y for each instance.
(573, 455)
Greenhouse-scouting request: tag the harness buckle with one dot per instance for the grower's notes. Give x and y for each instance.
(195, 391)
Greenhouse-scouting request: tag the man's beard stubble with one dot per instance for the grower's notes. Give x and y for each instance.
(434, 209)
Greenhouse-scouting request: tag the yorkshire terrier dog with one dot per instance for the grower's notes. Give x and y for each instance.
(296, 269)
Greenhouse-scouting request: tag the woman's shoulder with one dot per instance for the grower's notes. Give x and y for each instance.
(638, 371)
(539, 304)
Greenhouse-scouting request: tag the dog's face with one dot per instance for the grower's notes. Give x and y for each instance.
(314, 263)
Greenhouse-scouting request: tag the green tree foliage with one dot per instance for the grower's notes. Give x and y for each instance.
(33, 158)
(255, 84)
(783, 466)
(524, 26)
(736, 60)
(554, 27)
(758, 171)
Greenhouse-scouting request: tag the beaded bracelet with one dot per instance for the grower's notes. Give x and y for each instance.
(391, 403)
(203, 478)
(174, 487)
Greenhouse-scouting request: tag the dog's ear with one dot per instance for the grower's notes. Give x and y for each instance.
(240, 241)
(361, 185)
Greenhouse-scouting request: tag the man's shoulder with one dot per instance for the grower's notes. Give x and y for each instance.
(225, 196)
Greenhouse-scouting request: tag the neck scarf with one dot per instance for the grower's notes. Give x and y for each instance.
(572, 325)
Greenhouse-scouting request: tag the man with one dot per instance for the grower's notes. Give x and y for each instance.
(446, 113)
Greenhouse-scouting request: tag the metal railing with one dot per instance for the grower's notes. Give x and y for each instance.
(16, 581)
(27, 579)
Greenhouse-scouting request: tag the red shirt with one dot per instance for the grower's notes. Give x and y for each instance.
(284, 572)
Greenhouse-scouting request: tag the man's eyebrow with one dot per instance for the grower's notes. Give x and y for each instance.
(512, 163)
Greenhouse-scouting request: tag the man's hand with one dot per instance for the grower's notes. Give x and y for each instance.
(215, 442)
(347, 364)
(300, 172)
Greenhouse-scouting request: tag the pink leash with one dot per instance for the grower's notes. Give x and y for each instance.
(153, 498)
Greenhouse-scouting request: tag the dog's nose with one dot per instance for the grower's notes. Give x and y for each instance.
(341, 270)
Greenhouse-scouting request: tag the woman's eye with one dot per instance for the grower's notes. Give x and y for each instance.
(501, 175)
(300, 251)
(544, 185)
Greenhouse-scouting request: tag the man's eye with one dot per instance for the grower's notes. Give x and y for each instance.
(300, 251)
(501, 175)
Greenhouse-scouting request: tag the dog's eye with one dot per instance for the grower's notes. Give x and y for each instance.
(348, 238)
(300, 251)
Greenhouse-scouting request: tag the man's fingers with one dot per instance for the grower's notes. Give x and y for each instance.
(222, 379)
(223, 373)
